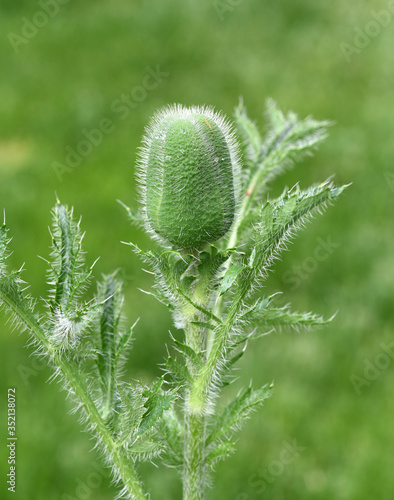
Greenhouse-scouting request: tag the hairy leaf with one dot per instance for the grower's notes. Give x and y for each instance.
(134, 216)
(178, 371)
(66, 273)
(281, 217)
(282, 316)
(157, 401)
(236, 413)
(288, 139)
(231, 275)
(249, 133)
(3, 248)
(171, 433)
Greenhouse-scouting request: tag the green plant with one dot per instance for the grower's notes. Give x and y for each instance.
(224, 238)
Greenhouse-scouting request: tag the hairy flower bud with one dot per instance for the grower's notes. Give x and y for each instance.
(188, 171)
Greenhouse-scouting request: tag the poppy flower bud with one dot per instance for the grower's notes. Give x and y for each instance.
(189, 170)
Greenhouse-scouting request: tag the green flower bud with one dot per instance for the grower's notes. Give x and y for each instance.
(189, 170)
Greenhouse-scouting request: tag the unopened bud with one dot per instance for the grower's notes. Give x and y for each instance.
(188, 171)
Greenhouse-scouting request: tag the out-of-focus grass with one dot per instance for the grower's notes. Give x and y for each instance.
(66, 79)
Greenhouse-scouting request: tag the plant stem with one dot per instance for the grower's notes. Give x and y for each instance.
(202, 385)
(123, 466)
(77, 384)
(195, 427)
(194, 457)
(233, 239)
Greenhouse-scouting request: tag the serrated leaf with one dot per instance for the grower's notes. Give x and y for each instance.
(189, 353)
(220, 451)
(259, 306)
(227, 376)
(131, 410)
(157, 401)
(283, 316)
(145, 449)
(209, 266)
(3, 248)
(231, 275)
(171, 269)
(178, 371)
(249, 133)
(171, 433)
(237, 411)
(231, 362)
(110, 297)
(66, 271)
(285, 214)
(20, 307)
(67, 328)
(289, 139)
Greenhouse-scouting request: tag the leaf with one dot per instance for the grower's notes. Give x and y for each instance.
(66, 274)
(283, 316)
(170, 431)
(109, 296)
(178, 371)
(249, 133)
(170, 268)
(288, 140)
(147, 256)
(145, 449)
(259, 306)
(209, 266)
(220, 451)
(157, 401)
(237, 411)
(112, 339)
(279, 218)
(231, 275)
(189, 353)
(227, 378)
(131, 409)
(20, 307)
(160, 297)
(124, 341)
(4, 241)
(67, 328)
(134, 216)
(203, 324)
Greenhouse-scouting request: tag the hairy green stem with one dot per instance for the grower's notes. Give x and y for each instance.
(203, 384)
(195, 427)
(194, 457)
(124, 468)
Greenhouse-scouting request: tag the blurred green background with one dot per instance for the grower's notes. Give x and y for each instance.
(67, 75)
